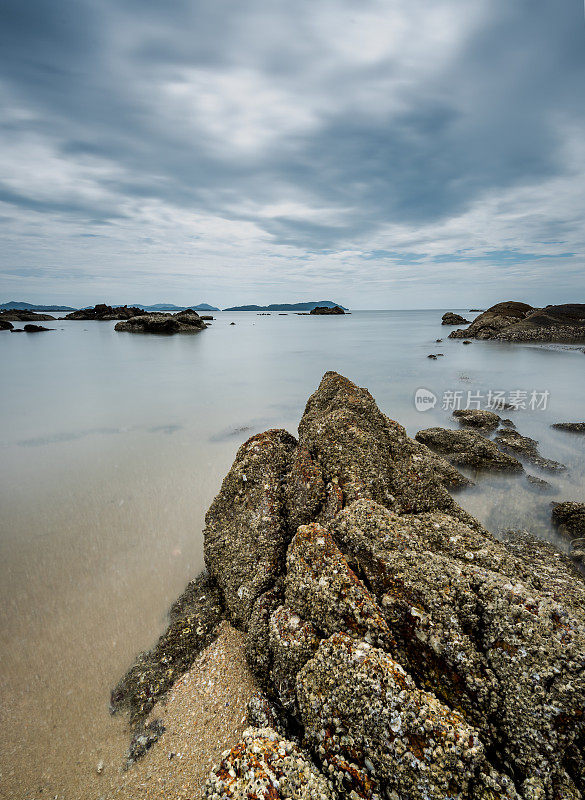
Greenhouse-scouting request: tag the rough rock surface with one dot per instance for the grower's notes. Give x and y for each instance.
(537, 484)
(5, 325)
(573, 427)
(495, 319)
(353, 450)
(518, 322)
(373, 728)
(569, 517)
(451, 318)
(159, 322)
(469, 448)
(327, 310)
(247, 534)
(102, 312)
(264, 766)
(510, 439)
(477, 418)
(409, 654)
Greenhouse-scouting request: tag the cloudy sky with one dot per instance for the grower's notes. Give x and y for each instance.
(384, 154)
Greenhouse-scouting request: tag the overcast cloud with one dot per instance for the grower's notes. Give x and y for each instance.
(382, 154)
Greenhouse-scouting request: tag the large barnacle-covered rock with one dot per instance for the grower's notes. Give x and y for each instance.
(361, 453)
(264, 766)
(473, 626)
(246, 532)
(374, 732)
(419, 658)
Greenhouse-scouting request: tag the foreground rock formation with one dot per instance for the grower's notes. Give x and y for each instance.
(404, 653)
(518, 322)
(187, 321)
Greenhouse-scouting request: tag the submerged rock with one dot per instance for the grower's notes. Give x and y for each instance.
(573, 427)
(143, 739)
(510, 439)
(469, 448)
(539, 484)
(194, 620)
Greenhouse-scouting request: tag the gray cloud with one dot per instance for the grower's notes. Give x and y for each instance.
(301, 145)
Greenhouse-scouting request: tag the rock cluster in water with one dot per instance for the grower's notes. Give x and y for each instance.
(187, 321)
(519, 322)
(450, 318)
(327, 310)
(402, 651)
(22, 316)
(103, 312)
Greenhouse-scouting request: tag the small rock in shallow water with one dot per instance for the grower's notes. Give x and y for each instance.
(36, 328)
(514, 441)
(539, 484)
(477, 418)
(468, 448)
(573, 427)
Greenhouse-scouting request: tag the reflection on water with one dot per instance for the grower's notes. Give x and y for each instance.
(113, 447)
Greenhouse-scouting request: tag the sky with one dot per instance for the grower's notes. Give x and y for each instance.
(396, 154)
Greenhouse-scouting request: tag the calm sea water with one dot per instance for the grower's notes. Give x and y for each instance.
(113, 446)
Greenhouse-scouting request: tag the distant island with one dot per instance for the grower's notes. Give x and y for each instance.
(289, 306)
(17, 305)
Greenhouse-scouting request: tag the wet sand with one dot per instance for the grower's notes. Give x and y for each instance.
(204, 714)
